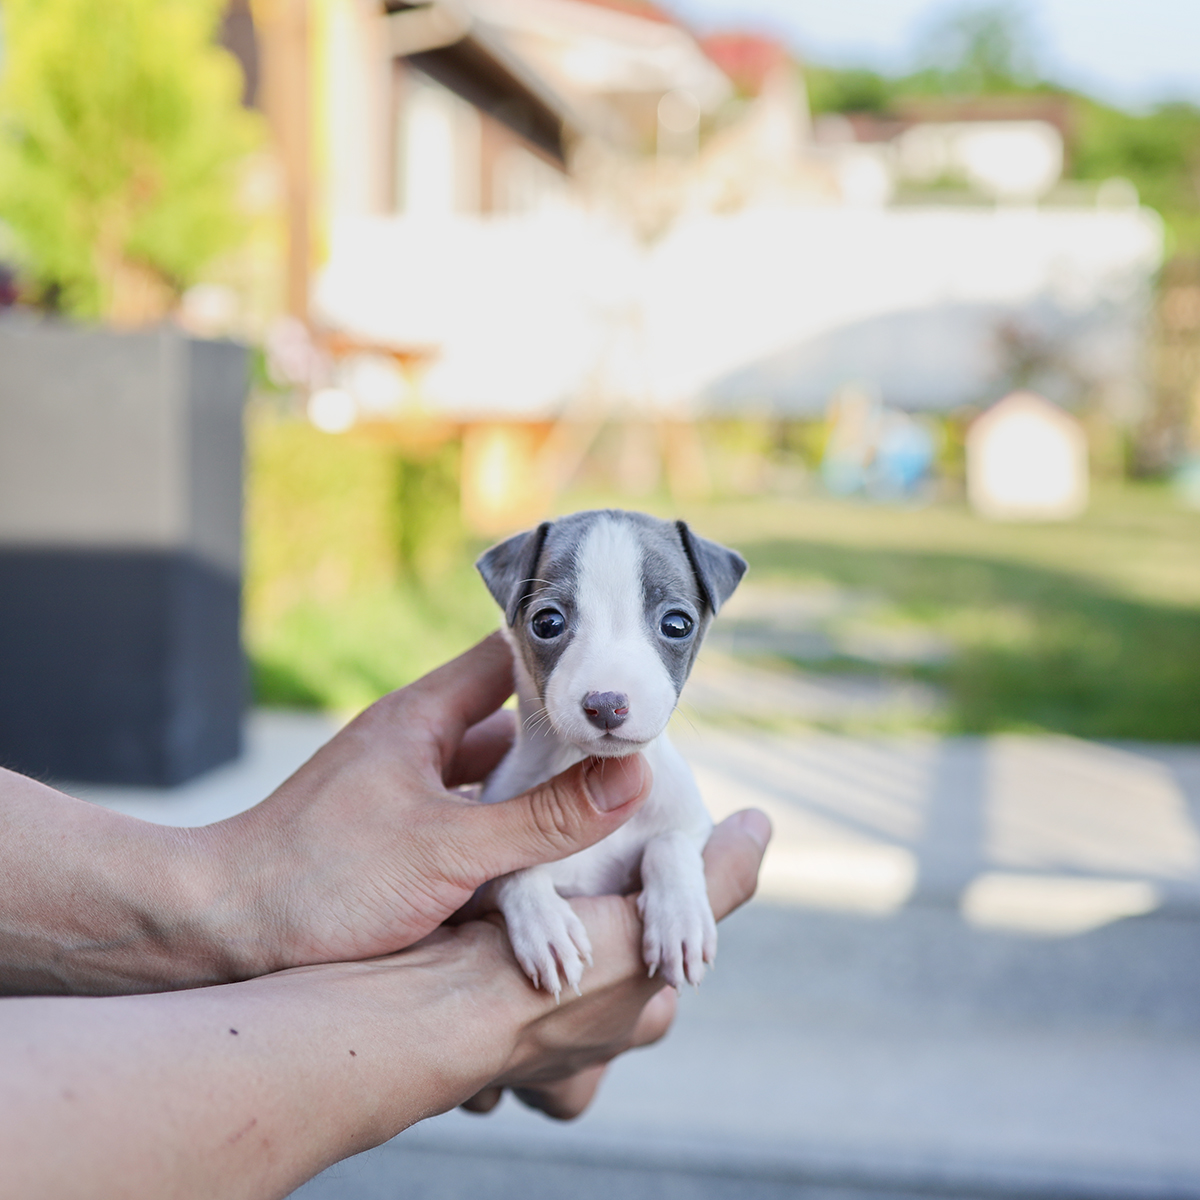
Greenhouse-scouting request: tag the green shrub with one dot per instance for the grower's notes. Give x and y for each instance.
(121, 134)
(358, 578)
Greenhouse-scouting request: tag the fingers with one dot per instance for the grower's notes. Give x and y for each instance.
(483, 1101)
(656, 1018)
(460, 694)
(482, 748)
(559, 817)
(732, 857)
(567, 1098)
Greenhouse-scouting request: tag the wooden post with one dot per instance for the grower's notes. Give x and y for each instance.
(284, 29)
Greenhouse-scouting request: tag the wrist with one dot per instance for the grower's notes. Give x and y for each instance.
(244, 885)
(234, 890)
(100, 903)
(204, 926)
(466, 1008)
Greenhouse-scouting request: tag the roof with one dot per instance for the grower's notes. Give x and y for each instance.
(461, 55)
(635, 8)
(1021, 405)
(1056, 110)
(747, 58)
(553, 69)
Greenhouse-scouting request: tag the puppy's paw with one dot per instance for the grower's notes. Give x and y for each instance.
(548, 939)
(679, 935)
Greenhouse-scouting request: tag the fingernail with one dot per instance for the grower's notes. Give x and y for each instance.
(611, 782)
(756, 825)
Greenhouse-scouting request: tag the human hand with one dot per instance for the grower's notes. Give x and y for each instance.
(248, 1089)
(563, 1052)
(365, 850)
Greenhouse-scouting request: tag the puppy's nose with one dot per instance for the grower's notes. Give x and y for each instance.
(606, 710)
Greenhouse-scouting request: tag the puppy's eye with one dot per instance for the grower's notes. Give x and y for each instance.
(548, 623)
(676, 625)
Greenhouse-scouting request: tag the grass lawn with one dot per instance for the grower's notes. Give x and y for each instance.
(1089, 628)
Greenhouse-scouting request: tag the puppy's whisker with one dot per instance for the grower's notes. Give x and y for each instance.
(537, 592)
(539, 723)
(537, 719)
(678, 711)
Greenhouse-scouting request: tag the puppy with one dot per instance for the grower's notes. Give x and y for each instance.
(605, 612)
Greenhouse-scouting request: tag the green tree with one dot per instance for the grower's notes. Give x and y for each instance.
(978, 50)
(990, 50)
(121, 137)
(1159, 151)
(847, 90)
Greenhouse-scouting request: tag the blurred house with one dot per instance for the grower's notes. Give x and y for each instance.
(931, 306)
(528, 217)
(473, 229)
(762, 153)
(1010, 149)
(955, 266)
(1027, 460)
(503, 237)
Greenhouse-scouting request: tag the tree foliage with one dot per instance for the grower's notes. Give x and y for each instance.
(990, 50)
(121, 136)
(976, 50)
(847, 90)
(1159, 151)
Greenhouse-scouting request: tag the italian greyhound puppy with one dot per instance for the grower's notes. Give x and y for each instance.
(605, 612)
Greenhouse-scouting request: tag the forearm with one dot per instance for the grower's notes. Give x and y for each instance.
(363, 851)
(158, 1096)
(97, 902)
(245, 1090)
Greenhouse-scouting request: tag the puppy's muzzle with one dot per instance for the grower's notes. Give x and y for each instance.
(606, 710)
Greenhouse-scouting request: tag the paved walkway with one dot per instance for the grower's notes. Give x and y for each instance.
(973, 970)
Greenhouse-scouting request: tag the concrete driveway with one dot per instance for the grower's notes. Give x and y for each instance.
(973, 970)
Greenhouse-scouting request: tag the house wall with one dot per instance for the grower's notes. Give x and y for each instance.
(353, 87)
(437, 149)
(769, 309)
(448, 158)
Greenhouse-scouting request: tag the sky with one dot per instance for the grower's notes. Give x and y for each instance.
(1128, 52)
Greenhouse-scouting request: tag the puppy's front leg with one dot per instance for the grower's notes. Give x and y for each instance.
(679, 935)
(545, 933)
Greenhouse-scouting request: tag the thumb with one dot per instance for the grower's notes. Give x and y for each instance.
(565, 814)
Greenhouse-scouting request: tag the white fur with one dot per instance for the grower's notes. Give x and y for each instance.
(660, 846)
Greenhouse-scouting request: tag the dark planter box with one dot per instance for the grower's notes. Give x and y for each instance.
(120, 553)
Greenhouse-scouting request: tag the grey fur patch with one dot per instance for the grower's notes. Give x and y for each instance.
(680, 572)
(718, 569)
(669, 585)
(509, 569)
(554, 587)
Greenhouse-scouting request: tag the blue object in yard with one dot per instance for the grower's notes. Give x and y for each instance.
(1187, 481)
(880, 451)
(903, 456)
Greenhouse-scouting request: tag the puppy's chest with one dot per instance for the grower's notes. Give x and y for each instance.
(612, 865)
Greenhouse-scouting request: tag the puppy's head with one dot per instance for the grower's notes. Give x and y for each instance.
(606, 610)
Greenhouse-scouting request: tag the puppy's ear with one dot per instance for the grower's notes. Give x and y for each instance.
(509, 569)
(718, 570)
